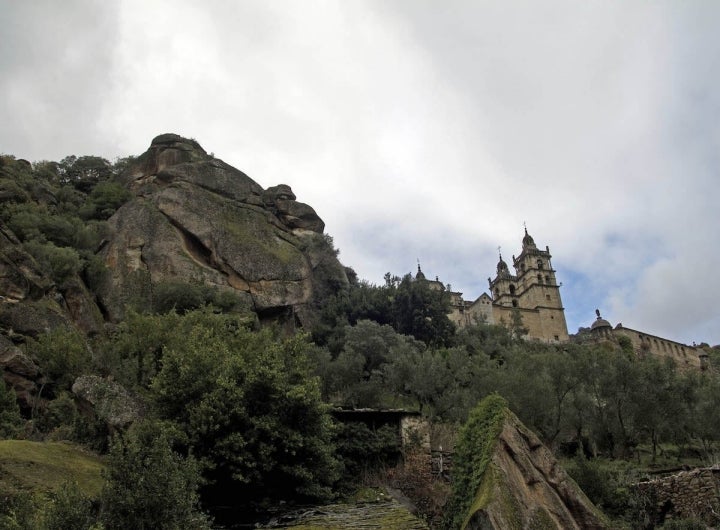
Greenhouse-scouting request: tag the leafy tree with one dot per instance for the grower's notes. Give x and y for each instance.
(422, 312)
(250, 411)
(104, 199)
(150, 486)
(63, 355)
(68, 509)
(61, 263)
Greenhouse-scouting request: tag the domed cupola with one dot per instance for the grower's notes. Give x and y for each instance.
(528, 241)
(502, 268)
(419, 275)
(601, 327)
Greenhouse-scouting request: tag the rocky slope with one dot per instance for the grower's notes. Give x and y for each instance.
(192, 222)
(194, 218)
(521, 484)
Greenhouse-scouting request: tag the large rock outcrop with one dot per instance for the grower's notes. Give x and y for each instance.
(507, 479)
(198, 220)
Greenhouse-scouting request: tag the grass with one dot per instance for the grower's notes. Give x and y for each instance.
(43, 467)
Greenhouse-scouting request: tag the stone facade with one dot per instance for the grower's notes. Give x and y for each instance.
(684, 356)
(689, 494)
(532, 294)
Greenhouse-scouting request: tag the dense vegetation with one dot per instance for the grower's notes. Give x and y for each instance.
(236, 416)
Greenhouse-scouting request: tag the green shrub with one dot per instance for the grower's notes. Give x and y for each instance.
(473, 453)
(10, 419)
(149, 485)
(68, 509)
(362, 449)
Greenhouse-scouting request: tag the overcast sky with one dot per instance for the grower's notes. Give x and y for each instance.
(419, 129)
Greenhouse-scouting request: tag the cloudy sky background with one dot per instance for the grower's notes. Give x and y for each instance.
(418, 129)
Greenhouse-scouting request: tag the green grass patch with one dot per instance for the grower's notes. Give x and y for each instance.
(44, 467)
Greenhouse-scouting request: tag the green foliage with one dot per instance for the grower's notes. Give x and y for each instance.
(183, 297)
(149, 485)
(104, 199)
(600, 483)
(473, 453)
(63, 355)
(178, 296)
(362, 449)
(18, 511)
(422, 312)
(68, 509)
(249, 410)
(61, 263)
(684, 524)
(10, 419)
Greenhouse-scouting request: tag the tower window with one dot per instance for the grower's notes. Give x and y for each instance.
(514, 302)
(547, 280)
(539, 278)
(557, 338)
(539, 264)
(512, 289)
(547, 297)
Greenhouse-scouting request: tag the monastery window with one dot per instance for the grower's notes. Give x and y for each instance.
(557, 338)
(514, 302)
(539, 278)
(540, 264)
(552, 317)
(497, 293)
(512, 289)
(547, 280)
(547, 297)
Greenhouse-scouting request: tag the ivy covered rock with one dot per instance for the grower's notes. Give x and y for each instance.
(506, 478)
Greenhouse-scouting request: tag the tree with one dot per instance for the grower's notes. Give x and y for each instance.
(422, 312)
(150, 486)
(249, 409)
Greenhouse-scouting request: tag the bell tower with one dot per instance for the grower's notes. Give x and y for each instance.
(533, 290)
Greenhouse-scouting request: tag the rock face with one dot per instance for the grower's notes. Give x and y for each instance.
(20, 373)
(108, 400)
(196, 219)
(522, 485)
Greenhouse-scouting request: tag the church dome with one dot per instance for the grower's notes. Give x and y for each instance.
(600, 322)
(502, 267)
(528, 241)
(419, 275)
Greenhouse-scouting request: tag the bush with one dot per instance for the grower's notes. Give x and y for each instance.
(178, 296)
(63, 356)
(149, 485)
(68, 509)
(363, 449)
(10, 419)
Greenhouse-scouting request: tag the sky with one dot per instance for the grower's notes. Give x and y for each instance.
(417, 129)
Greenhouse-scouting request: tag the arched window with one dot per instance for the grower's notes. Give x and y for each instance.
(540, 264)
(497, 293)
(512, 289)
(514, 302)
(547, 280)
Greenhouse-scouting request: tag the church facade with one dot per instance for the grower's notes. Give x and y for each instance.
(528, 297)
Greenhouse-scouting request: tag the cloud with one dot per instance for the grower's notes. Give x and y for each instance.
(419, 129)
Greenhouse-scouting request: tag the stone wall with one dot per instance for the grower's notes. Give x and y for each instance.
(646, 344)
(689, 494)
